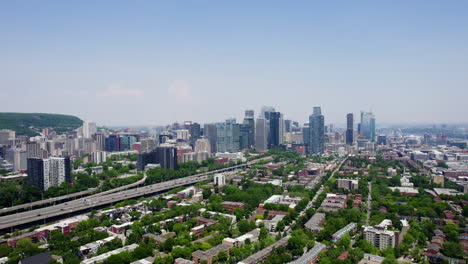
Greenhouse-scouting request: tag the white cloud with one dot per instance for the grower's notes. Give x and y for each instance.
(180, 90)
(115, 90)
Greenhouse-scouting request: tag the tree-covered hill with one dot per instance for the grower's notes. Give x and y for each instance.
(32, 123)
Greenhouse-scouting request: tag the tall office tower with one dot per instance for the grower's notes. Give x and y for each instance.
(235, 138)
(89, 128)
(317, 132)
(166, 156)
(209, 131)
(112, 143)
(34, 150)
(244, 136)
(349, 129)
(265, 112)
(274, 138)
(45, 173)
(100, 139)
(261, 135)
(5, 136)
(281, 130)
(126, 142)
(368, 126)
(287, 125)
(249, 121)
(221, 137)
(306, 137)
(148, 144)
(194, 133)
(202, 145)
(232, 135)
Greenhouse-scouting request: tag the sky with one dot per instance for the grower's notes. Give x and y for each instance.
(156, 62)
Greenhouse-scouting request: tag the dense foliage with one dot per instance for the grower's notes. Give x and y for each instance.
(31, 123)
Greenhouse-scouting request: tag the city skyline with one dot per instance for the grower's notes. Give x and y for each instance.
(154, 63)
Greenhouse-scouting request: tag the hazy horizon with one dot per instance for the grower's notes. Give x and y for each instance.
(154, 63)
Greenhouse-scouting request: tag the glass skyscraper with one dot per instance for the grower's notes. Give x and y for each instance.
(317, 132)
(368, 126)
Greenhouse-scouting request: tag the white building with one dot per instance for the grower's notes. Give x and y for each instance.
(89, 128)
(220, 180)
(202, 145)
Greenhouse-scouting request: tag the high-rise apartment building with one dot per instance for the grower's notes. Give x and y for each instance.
(261, 135)
(34, 150)
(317, 132)
(148, 144)
(5, 136)
(89, 128)
(349, 129)
(368, 126)
(45, 173)
(100, 139)
(202, 145)
(380, 237)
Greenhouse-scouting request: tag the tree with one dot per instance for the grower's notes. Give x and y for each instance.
(5, 250)
(451, 232)
(452, 249)
(222, 256)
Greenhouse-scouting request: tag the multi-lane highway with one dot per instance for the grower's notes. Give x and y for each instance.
(97, 200)
(68, 197)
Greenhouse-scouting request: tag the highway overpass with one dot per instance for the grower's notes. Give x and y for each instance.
(9, 222)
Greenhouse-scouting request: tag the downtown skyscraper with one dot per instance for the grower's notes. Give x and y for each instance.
(275, 130)
(349, 129)
(249, 128)
(261, 134)
(368, 126)
(317, 132)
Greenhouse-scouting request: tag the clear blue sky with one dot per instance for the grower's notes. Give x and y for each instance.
(154, 62)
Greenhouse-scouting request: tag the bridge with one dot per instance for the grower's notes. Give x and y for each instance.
(9, 222)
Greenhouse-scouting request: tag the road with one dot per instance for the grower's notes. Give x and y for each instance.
(101, 199)
(369, 203)
(69, 196)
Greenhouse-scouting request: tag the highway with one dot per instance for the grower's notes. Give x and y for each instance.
(69, 196)
(10, 221)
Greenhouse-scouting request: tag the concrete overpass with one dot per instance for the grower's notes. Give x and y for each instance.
(9, 222)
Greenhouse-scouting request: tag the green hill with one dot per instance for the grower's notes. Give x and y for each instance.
(32, 123)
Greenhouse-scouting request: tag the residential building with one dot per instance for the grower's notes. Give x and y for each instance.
(45, 173)
(315, 223)
(380, 236)
(312, 255)
(347, 184)
(89, 129)
(340, 233)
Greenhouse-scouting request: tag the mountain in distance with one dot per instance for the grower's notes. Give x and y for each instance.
(31, 124)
